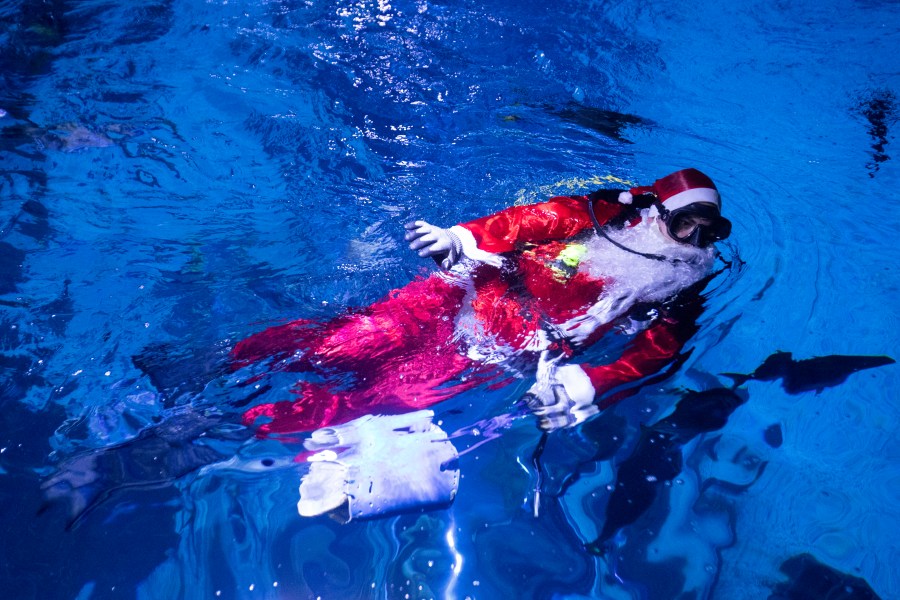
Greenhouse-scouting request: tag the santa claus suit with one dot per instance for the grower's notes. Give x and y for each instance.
(534, 280)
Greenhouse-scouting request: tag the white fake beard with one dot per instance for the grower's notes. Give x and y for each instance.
(634, 278)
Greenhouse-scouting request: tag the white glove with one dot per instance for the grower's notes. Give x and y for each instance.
(562, 396)
(433, 241)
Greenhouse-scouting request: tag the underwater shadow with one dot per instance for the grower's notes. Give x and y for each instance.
(811, 374)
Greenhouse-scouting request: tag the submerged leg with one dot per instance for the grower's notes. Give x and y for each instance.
(397, 326)
(421, 381)
(278, 343)
(400, 351)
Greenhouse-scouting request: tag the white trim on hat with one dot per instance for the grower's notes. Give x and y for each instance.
(692, 196)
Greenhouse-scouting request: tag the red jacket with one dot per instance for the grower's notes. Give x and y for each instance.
(530, 291)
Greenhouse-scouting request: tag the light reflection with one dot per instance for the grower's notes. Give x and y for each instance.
(457, 558)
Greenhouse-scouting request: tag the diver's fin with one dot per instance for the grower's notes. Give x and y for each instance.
(379, 465)
(176, 371)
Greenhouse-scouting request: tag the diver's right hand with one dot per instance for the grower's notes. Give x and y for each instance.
(428, 240)
(562, 395)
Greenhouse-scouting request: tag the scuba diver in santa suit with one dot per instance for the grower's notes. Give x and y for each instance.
(522, 294)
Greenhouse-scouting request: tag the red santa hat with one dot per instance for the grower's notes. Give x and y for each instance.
(678, 189)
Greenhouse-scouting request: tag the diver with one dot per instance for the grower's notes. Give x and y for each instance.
(522, 293)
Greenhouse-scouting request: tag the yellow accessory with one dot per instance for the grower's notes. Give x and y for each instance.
(572, 254)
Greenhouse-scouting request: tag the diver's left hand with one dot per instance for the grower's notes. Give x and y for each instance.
(429, 240)
(562, 396)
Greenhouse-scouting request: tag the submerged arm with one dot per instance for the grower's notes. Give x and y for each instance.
(566, 395)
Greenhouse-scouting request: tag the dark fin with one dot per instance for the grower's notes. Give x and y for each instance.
(700, 412)
(739, 379)
(610, 123)
(775, 366)
(155, 459)
(177, 371)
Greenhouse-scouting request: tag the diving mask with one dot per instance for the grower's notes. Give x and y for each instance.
(698, 224)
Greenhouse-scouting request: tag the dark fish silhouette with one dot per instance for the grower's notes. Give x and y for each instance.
(607, 122)
(657, 458)
(811, 580)
(879, 110)
(156, 458)
(811, 374)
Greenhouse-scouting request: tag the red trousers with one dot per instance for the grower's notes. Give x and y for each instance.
(396, 355)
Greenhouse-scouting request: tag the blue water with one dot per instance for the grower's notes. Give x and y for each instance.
(177, 175)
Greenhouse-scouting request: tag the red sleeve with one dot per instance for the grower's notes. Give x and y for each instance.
(559, 218)
(650, 351)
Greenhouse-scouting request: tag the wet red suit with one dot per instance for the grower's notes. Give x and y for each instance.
(517, 295)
